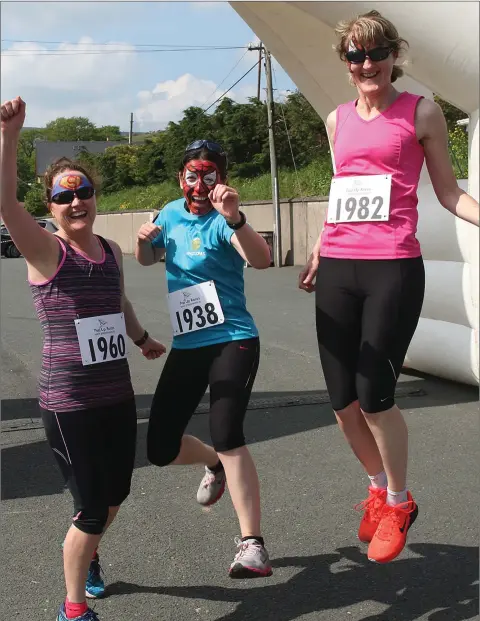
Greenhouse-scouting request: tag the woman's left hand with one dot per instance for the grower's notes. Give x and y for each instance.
(153, 349)
(225, 200)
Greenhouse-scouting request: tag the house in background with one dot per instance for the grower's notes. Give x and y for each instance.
(47, 151)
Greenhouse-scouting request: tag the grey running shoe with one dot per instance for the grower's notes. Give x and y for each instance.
(211, 488)
(251, 560)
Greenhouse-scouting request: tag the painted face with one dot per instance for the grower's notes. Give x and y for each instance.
(370, 73)
(72, 200)
(197, 181)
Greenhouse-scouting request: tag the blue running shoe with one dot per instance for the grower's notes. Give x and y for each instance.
(87, 616)
(95, 586)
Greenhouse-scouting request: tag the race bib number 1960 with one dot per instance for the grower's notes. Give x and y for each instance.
(102, 338)
(360, 199)
(195, 308)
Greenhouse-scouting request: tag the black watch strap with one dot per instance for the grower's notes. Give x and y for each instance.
(143, 340)
(238, 225)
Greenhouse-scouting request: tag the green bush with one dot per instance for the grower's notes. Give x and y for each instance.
(35, 201)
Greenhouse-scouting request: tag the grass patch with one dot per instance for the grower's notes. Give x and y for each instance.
(313, 180)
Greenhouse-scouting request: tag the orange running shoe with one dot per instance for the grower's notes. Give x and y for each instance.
(372, 508)
(391, 534)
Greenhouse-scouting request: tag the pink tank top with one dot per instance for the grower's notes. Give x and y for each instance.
(386, 144)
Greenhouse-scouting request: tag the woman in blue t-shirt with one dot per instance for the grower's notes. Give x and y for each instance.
(206, 241)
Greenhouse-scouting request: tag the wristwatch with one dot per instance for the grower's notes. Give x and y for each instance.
(238, 225)
(143, 340)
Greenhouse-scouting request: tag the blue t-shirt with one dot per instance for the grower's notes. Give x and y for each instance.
(198, 249)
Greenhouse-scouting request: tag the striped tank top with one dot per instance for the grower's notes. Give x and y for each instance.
(80, 288)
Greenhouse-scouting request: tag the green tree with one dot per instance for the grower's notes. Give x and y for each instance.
(35, 201)
(80, 128)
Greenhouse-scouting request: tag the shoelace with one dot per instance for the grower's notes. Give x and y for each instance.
(393, 517)
(208, 479)
(247, 549)
(369, 504)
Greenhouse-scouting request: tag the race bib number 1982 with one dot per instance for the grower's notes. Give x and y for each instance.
(195, 308)
(360, 199)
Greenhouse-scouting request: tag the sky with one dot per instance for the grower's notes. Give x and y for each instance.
(44, 60)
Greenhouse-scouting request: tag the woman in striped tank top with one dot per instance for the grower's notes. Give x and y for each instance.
(86, 394)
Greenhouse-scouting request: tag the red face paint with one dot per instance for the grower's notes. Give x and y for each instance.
(198, 180)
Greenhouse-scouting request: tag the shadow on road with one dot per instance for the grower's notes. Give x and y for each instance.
(30, 470)
(440, 582)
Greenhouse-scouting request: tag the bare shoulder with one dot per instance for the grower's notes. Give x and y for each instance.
(429, 119)
(117, 251)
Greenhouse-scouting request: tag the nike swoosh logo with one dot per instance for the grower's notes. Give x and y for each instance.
(402, 528)
(382, 400)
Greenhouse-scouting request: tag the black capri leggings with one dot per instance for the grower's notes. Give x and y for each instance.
(366, 315)
(229, 369)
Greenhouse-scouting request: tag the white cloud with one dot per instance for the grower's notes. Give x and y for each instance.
(167, 100)
(93, 85)
(30, 65)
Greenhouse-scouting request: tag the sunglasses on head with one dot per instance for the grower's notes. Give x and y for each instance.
(67, 196)
(214, 147)
(358, 56)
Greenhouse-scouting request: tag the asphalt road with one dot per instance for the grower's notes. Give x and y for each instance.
(166, 559)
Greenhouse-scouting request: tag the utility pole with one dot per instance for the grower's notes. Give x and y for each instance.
(277, 233)
(130, 134)
(259, 83)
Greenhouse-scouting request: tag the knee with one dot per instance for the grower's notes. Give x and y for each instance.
(91, 521)
(225, 440)
(161, 453)
(372, 406)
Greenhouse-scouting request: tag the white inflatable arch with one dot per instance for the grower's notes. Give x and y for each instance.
(442, 59)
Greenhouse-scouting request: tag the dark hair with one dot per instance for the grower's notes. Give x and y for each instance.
(210, 156)
(61, 165)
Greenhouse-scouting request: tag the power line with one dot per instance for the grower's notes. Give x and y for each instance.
(119, 51)
(224, 79)
(186, 45)
(229, 89)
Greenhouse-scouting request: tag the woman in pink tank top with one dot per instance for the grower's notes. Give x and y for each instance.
(367, 269)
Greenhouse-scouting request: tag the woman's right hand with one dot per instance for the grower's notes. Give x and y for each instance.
(148, 232)
(13, 116)
(306, 279)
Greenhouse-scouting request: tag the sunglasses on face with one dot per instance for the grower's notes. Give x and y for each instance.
(67, 196)
(205, 144)
(375, 55)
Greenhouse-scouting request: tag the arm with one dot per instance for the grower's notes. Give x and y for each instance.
(251, 246)
(248, 243)
(432, 133)
(151, 348)
(145, 252)
(37, 245)
(306, 279)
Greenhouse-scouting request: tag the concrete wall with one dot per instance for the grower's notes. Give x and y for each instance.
(302, 221)
(122, 227)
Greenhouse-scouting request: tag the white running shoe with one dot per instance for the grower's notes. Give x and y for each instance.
(251, 560)
(211, 487)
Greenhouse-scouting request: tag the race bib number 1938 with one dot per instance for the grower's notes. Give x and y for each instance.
(360, 199)
(102, 338)
(195, 308)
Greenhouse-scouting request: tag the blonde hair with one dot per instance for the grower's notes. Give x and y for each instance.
(368, 29)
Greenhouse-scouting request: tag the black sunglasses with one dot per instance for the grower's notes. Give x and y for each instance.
(214, 147)
(375, 55)
(66, 197)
